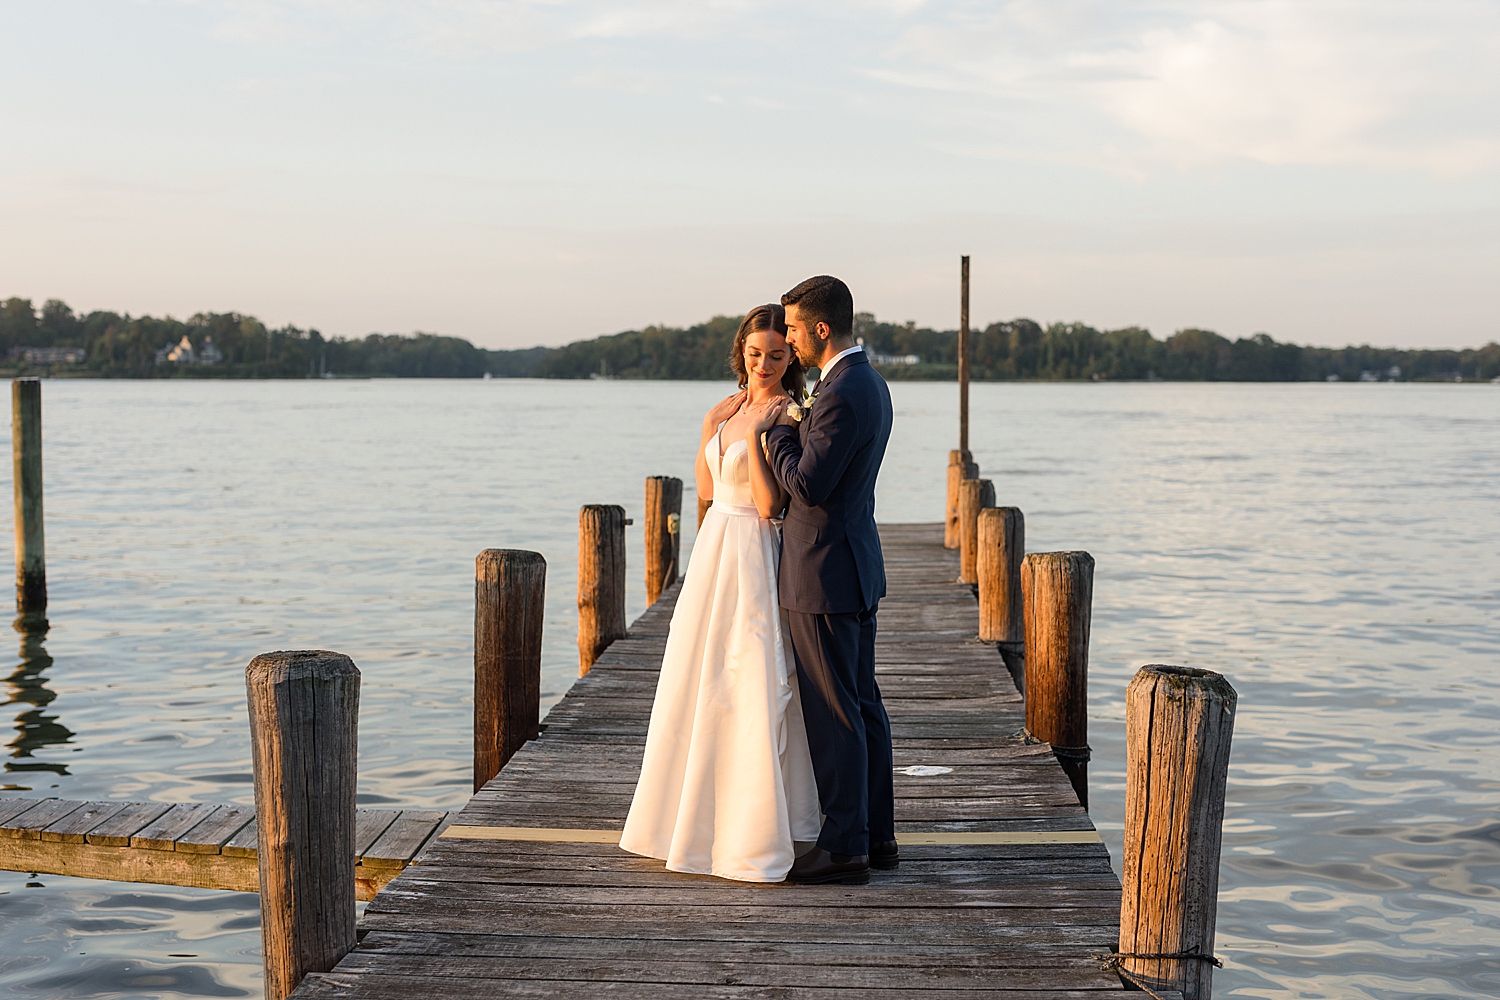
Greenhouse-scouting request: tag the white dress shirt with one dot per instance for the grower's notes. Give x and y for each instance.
(826, 372)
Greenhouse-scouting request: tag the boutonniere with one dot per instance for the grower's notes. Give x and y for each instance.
(799, 410)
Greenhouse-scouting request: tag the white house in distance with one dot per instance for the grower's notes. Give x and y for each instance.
(49, 355)
(888, 359)
(184, 354)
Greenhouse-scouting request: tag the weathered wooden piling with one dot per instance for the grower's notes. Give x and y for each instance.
(1057, 594)
(510, 587)
(1002, 545)
(960, 467)
(31, 546)
(663, 534)
(1178, 725)
(304, 719)
(601, 580)
(974, 495)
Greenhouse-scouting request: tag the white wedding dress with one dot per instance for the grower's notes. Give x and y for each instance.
(727, 785)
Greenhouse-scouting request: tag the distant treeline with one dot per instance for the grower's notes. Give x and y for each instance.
(132, 347)
(1023, 349)
(122, 346)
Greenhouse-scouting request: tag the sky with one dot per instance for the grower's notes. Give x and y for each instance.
(523, 173)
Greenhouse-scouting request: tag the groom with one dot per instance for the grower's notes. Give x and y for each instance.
(832, 577)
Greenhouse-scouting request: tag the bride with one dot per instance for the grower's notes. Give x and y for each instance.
(727, 785)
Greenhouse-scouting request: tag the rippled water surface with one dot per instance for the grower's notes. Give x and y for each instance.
(1333, 549)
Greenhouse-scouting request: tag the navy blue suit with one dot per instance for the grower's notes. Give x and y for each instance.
(831, 580)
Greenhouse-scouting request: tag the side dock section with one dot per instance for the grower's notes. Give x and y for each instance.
(195, 844)
(1004, 889)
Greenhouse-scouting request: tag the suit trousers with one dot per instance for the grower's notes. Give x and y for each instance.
(847, 728)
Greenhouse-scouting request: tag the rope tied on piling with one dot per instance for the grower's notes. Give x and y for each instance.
(1083, 753)
(1116, 963)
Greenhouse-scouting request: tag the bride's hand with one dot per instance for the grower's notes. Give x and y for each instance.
(724, 409)
(763, 416)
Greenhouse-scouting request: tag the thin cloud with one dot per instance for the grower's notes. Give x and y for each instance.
(1380, 85)
(1383, 84)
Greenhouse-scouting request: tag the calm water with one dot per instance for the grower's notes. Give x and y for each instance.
(1331, 549)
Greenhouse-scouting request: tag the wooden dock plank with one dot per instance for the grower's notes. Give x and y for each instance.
(369, 824)
(74, 827)
(119, 828)
(243, 844)
(554, 915)
(874, 956)
(215, 830)
(29, 825)
(338, 984)
(403, 839)
(161, 833)
(11, 808)
(706, 971)
(664, 928)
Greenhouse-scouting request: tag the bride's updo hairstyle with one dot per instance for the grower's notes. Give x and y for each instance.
(767, 317)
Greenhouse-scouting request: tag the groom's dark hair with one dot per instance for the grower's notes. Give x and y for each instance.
(824, 299)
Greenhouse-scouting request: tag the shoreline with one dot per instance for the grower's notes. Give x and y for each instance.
(889, 375)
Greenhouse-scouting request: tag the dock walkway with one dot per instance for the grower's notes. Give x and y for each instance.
(1004, 888)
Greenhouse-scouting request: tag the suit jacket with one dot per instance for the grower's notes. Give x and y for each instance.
(830, 558)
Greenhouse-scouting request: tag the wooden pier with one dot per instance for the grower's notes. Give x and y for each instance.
(1004, 888)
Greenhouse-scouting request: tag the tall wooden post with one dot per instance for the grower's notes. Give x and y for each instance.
(601, 580)
(304, 726)
(510, 589)
(963, 357)
(1058, 591)
(960, 467)
(974, 495)
(663, 534)
(1002, 544)
(31, 544)
(1178, 725)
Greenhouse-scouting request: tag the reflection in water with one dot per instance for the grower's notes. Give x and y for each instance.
(81, 938)
(34, 729)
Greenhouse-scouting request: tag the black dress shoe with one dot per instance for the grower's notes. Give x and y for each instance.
(818, 867)
(885, 855)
